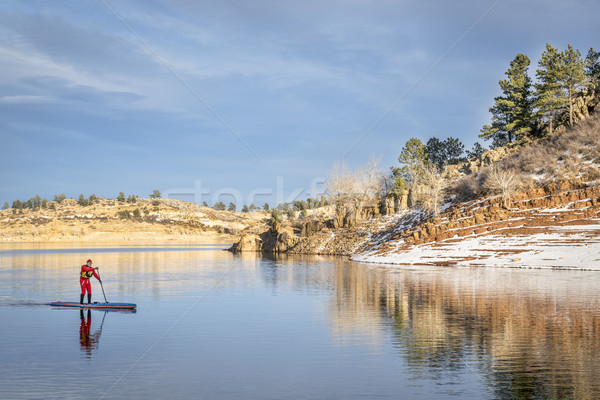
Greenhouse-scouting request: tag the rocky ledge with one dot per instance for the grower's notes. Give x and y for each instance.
(540, 228)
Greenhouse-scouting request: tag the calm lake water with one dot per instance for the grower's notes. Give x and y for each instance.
(213, 325)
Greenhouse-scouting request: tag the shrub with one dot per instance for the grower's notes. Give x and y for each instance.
(275, 216)
(125, 214)
(82, 201)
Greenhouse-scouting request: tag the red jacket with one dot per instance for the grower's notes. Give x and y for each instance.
(85, 271)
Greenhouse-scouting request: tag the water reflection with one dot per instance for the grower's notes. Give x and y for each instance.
(513, 333)
(526, 334)
(89, 341)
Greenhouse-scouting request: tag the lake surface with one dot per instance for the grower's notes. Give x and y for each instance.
(213, 325)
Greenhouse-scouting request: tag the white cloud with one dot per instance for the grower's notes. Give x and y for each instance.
(26, 99)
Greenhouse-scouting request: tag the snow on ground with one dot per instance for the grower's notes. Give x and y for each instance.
(567, 247)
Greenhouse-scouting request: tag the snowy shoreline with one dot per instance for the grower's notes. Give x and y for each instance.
(567, 247)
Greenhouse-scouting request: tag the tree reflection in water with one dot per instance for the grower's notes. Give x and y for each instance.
(525, 334)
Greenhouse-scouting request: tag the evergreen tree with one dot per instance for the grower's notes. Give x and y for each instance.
(82, 201)
(231, 207)
(476, 150)
(436, 152)
(573, 76)
(121, 197)
(266, 207)
(5, 206)
(547, 96)
(275, 216)
(59, 198)
(412, 157)
(36, 201)
(454, 150)
(155, 194)
(512, 116)
(220, 206)
(592, 67)
(323, 202)
(560, 75)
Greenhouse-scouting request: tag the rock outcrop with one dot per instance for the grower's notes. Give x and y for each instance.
(277, 239)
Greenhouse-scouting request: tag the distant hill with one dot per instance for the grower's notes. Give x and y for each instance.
(110, 219)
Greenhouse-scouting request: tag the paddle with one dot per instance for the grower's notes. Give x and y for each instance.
(100, 280)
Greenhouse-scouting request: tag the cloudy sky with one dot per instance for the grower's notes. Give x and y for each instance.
(249, 101)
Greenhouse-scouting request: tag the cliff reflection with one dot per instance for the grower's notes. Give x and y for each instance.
(526, 334)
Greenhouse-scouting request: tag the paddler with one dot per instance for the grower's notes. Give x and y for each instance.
(87, 271)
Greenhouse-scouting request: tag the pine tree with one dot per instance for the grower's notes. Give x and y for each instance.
(476, 150)
(82, 201)
(413, 157)
(573, 75)
(37, 201)
(446, 152)
(436, 152)
(592, 67)
(454, 150)
(560, 75)
(512, 117)
(59, 198)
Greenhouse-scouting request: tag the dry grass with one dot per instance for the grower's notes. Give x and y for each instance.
(569, 155)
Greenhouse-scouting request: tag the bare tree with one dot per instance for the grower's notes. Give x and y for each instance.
(503, 180)
(351, 191)
(430, 190)
(338, 186)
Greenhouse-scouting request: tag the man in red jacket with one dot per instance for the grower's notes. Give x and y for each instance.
(86, 273)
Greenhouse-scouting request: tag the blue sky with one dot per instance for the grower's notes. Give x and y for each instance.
(249, 101)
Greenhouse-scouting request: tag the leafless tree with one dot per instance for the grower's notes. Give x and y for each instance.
(351, 191)
(430, 189)
(503, 180)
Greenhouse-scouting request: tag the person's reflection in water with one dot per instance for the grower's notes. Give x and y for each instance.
(87, 341)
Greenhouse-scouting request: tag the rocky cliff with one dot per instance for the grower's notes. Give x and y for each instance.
(557, 209)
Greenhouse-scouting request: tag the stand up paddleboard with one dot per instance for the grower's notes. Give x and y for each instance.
(114, 306)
